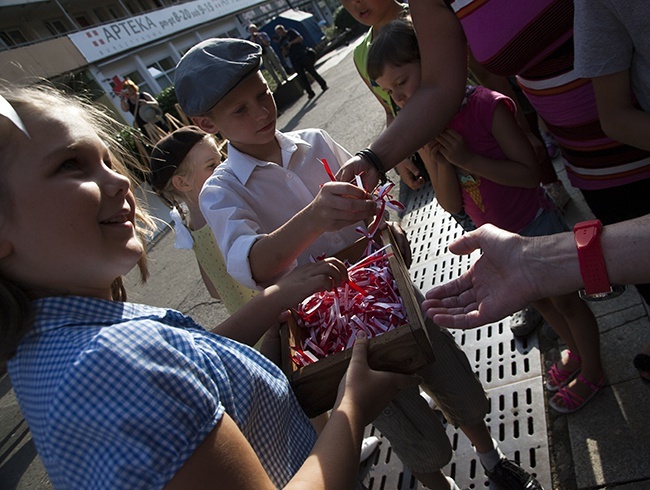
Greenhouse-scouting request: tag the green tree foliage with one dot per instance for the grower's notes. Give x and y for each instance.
(343, 20)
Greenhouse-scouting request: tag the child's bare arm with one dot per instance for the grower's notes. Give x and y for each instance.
(520, 169)
(619, 117)
(249, 323)
(337, 205)
(443, 178)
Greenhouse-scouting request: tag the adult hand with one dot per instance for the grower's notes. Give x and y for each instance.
(339, 204)
(359, 166)
(496, 285)
(367, 390)
(410, 174)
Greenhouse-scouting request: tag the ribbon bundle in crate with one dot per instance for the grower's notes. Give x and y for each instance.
(368, 302)
(378, 299)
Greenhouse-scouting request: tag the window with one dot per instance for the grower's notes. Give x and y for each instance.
(57, 27)
(81, 83)
(101, 15)
(163, 72)
(82, 21)
(12, 37)
(144, 6)
(112, 11)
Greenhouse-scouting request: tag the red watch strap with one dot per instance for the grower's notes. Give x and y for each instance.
(590, 257)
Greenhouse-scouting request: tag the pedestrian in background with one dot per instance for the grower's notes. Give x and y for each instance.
(270, 60)
(302, 60)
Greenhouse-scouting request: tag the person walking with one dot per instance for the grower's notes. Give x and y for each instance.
(302, 61)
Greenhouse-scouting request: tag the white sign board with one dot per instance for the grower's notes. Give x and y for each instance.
(108, 39)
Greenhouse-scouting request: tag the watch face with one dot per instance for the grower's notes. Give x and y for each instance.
(616, 290)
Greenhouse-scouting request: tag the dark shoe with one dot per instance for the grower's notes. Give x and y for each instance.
(324, 88)
(642, 364)
(510, 476)
(525, 321)
(311, 95)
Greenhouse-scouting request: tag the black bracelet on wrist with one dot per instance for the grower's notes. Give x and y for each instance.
(374, 160)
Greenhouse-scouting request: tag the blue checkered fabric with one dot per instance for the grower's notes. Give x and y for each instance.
(119, 395)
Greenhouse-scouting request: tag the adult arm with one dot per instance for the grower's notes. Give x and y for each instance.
(514, 271)
(444, 73)
(407, 170)
(124, 104)
(619, 118)
(226, 457)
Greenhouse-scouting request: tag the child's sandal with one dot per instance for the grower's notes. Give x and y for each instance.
(572, 402)
(557, 378)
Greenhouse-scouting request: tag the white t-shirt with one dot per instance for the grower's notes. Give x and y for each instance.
(612, 36)
(246, 198)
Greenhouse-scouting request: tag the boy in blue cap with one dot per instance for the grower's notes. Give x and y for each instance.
(271, 205)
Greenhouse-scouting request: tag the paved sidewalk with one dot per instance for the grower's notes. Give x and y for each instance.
(605, 445)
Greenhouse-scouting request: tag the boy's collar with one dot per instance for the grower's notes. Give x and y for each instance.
(243, 164)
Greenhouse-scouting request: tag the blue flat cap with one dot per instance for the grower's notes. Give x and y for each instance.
(211, 69)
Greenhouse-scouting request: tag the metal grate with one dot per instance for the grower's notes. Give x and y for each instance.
(510, 369)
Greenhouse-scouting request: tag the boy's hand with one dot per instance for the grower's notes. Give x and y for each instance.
(366, 390)
(339, 204)
(452, 148)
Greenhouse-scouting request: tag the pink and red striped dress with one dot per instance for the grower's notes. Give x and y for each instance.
(533, 40)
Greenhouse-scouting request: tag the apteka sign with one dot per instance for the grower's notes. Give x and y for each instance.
(109, 39)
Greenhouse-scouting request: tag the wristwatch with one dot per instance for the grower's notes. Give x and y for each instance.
(592, 263)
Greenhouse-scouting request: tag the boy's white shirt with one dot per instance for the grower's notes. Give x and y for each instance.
(246, 198)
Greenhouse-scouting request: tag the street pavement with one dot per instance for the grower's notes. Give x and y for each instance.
(605, 445)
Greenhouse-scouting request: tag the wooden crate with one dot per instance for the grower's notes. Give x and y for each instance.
(404, 349)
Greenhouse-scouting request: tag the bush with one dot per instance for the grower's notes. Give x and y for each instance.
(167, 100)
(343, 20)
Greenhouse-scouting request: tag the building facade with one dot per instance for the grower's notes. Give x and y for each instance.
(91, 44)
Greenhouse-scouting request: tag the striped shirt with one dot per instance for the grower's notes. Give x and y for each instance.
(533, 40)
(119, 395)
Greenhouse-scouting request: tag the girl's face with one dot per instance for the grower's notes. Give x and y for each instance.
(372, 12)
(400, 82)
(205, 157)
(71, 225)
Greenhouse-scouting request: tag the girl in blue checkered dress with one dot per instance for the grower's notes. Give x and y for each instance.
(119, 395)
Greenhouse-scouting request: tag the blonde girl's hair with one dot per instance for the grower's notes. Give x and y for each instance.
(396, 44)
(15, 301)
